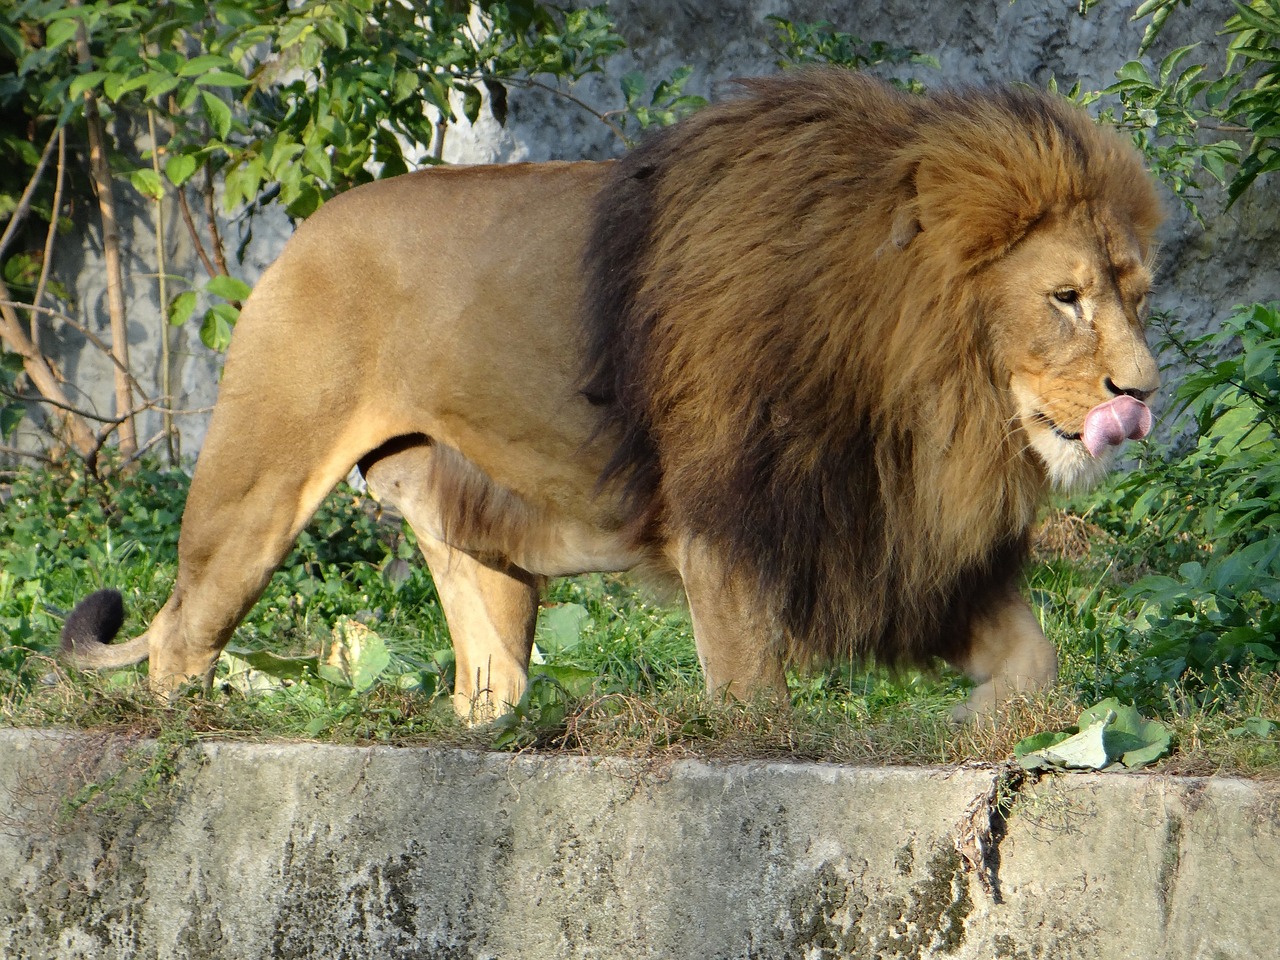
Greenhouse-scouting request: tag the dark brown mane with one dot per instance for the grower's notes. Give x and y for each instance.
(781, 322)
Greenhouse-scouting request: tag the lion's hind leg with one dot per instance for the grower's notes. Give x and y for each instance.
(1008, 654)
(491, 609)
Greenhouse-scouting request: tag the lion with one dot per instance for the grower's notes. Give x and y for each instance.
(817, 352)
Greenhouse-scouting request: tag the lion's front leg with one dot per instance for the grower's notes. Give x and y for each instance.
(1008, 654)
(738, 644)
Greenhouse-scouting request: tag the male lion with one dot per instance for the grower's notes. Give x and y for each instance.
(817, 350)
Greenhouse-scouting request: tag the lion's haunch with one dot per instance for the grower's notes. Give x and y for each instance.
(1112, 423)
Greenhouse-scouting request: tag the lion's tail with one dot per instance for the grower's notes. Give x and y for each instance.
(89, 630)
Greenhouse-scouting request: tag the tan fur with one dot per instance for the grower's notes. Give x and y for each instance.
(821, 343)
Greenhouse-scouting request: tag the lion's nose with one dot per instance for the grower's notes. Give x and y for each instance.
(1138, 393)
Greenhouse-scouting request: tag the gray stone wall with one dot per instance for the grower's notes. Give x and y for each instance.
(309, 850)
(1203, 273)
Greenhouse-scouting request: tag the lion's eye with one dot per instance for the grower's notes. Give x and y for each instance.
(1067, 295)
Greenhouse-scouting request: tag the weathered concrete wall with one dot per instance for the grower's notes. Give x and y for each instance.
(312, 851)
(1203, 273)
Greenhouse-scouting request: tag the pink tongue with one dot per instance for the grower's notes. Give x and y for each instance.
(1112, 423)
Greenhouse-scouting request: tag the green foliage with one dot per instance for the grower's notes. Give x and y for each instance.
(1185, 115)
(1203, 516)
(261, 102)
(1165, 113)
(665, 105)
(1107, 736)
(308, 98)
(798, 44)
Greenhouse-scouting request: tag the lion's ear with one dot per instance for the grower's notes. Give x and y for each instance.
(970, 212)
(905, 226)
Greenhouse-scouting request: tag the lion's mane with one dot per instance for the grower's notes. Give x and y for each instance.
(784, 323)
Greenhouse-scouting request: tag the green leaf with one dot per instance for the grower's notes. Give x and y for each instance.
(221, 78)
(215, 331)
(179, 168)
(204, 64)
(59, 32)
(218, 113)
(229, 288)
(1040, 741)
(147, 182)
(471, 103)
(1106, 732)
(85, 81)
(181, 308)
(11, 415)
(633, 86)
(560, 627)
(372, 662)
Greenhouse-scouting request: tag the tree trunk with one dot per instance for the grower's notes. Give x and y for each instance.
(101, 172)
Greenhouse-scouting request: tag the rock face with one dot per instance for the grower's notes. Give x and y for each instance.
(1203, 272)
(260, 850)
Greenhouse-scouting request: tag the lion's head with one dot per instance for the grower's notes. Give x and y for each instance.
(848, 335)
(1067, 324)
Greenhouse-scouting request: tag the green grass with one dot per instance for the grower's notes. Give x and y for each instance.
(348, 645)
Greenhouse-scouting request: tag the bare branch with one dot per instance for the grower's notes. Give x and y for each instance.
(190, 222)
(565, 95)
(24, 203)
(40, 373)
(51, 233)
(84, 331)
(99, 418)
(210, 209)
(15, 452)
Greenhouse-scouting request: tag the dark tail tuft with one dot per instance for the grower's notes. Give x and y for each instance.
(95, 620)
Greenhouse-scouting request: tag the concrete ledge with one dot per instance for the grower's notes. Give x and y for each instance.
(315, 851)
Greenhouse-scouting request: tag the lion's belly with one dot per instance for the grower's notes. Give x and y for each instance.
(557, 527)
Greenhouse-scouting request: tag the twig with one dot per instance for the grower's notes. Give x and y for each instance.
(15, 452)
(210, 209)
(154, 405)
(24, 203)
(39, 372)
(51, 233)
(83, 330)
(556, 91)
(189, 220)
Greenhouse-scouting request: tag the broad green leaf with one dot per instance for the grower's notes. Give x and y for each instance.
(221, 78)
(471, 103)
(204, 64)
(372, 662)
(633, 85)
(229, 288)
(158, 84)
(58, 33)
(215, 331)
(179, 168)
(575, 681)
(147, 182)
(218, 113)
(1039, 741)
(560, 627)
(181, 308)
(1085, 750)
(11, 414)
(85, 81)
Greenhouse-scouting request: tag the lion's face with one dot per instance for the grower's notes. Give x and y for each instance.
(1068, 325)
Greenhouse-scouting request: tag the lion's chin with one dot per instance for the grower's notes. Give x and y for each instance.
(1070, 466)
